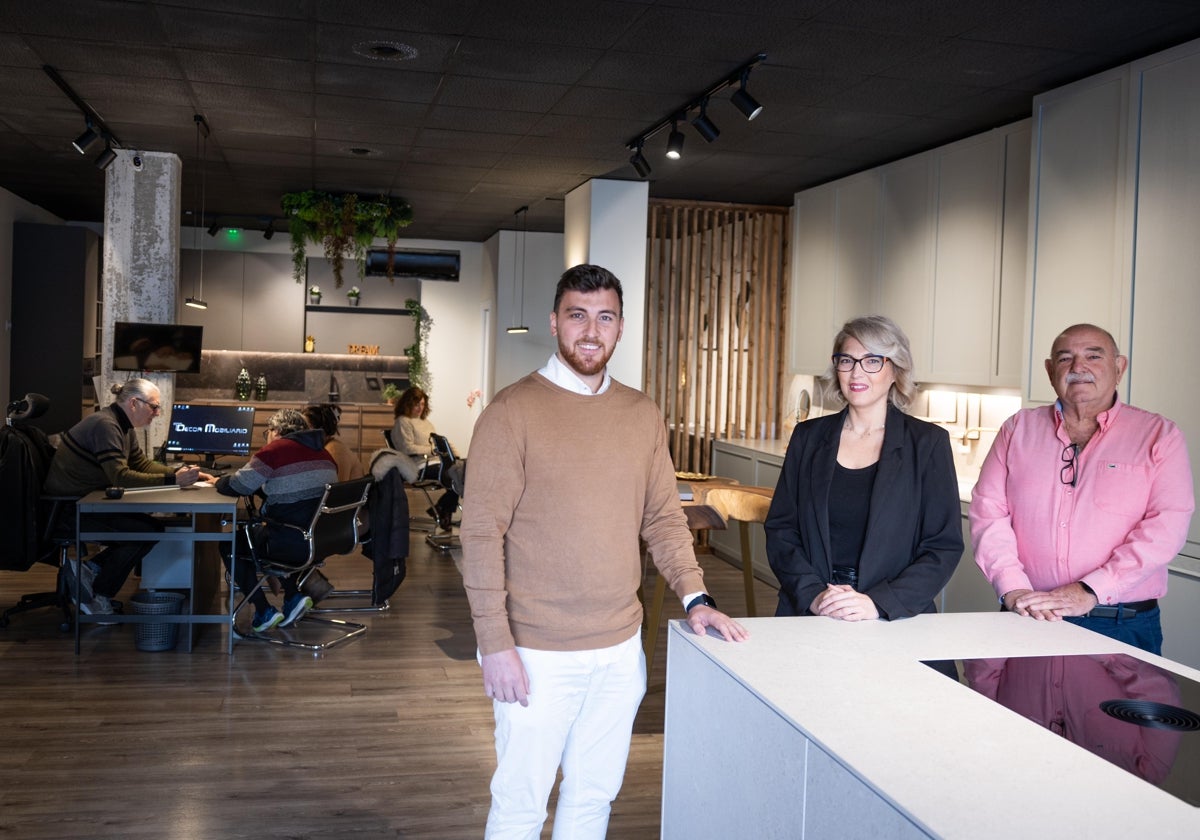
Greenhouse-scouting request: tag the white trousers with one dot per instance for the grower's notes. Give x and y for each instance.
(580, 715)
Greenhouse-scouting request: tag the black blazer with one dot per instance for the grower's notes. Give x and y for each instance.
(914, 529)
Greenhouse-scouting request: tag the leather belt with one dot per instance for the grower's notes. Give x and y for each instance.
(1123, 611)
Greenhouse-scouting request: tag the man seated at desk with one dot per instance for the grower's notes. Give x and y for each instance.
(102, 451)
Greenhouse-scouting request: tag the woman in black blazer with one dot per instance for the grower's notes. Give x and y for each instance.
(865, 521)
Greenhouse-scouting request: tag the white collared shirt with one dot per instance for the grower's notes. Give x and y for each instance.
(558, 372)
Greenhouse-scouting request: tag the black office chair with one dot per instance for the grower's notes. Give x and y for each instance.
(451, 477)
(428, 479)
(39, 529)
(335, 529)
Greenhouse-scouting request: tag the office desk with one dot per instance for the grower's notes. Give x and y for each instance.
(201, 514)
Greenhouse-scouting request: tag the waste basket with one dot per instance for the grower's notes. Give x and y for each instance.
(156, 636)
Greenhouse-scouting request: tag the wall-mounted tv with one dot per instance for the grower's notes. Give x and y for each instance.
(161, 348)
(210, 430)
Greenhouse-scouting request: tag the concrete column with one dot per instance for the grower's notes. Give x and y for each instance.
(606, 225)
(141, 262)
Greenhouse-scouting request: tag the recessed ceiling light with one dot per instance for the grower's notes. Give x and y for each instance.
(360, 151)
(385, 50)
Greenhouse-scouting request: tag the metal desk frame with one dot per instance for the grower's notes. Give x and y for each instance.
(190, 502)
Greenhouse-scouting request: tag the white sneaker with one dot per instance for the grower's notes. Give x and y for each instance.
(98, 605)
(71, 572)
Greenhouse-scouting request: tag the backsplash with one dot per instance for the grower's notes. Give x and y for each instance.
(972, 419)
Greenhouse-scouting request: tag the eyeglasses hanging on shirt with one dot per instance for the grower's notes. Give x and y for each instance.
(1070, 457)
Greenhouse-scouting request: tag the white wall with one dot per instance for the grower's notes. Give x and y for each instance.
(12, 209)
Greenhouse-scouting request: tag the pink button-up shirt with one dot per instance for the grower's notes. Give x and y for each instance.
(1116, 530)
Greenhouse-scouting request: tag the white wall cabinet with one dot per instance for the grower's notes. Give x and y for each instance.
(937, 243)
(1081, 230)
(835, 264)
(1165, 344)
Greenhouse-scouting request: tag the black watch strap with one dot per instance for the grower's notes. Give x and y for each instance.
(703, 598)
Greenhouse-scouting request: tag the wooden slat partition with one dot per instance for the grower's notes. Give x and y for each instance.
(716, 319)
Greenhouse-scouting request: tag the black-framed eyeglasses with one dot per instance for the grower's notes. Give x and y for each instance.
(155, 407)
(870, 363)
(1070, 457)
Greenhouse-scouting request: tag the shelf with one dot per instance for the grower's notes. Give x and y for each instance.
(365, 310)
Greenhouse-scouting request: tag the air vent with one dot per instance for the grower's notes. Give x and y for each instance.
(1151, 714)
(425, 265)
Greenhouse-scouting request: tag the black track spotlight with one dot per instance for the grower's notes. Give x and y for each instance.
(105, 158)
(704, 125)
(214, 229)
(639, 162)
(85, 141)
(746, 103)
(675, 142)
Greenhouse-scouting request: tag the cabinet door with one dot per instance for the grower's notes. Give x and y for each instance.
(967, 261)
(907, 233)
(811, 293)
(857, 250)
(274, 304)
(220, 286)
(1165, 343)
(1082, 225)
(1010, 303)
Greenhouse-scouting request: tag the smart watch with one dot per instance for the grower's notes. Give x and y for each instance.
(703, 598)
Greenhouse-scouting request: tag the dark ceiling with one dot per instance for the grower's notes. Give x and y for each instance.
(515, 103)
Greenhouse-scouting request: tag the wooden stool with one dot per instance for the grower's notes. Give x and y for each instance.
(746, 505)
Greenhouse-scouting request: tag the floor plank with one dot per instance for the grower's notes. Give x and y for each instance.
(386, 736)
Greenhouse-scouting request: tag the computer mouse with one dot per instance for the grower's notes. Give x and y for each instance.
(114, 492)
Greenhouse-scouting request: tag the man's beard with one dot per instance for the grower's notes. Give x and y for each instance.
(582, 365)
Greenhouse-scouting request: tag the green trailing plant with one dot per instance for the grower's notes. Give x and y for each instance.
(418, 372)
(344, 225)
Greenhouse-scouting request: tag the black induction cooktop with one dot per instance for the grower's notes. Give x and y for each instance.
(1135, 715)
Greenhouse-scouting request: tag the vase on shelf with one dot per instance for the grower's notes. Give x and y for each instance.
(242, 385)
(314, 299)
(260, 388)
(353, 300)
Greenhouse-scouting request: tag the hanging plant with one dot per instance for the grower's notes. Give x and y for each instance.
(418, 373)
(344, 225)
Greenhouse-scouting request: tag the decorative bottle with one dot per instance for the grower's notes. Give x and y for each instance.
(260, 388)
(243, 385)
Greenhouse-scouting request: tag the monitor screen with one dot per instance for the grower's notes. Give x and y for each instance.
(173, 348)
(211, 429)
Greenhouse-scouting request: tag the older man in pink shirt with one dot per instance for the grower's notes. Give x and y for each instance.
(1081, 505)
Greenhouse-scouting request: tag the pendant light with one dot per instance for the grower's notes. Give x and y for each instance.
(523, 212)
(196, 301)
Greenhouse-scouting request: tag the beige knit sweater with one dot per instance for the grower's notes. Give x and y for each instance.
(559, 489)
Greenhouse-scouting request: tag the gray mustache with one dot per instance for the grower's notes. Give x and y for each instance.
(1076, 378)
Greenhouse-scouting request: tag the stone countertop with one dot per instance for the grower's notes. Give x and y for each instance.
(953, 761)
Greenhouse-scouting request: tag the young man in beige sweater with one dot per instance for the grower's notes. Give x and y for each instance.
(568, 469)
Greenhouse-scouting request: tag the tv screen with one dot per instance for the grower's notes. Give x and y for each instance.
(170, 348)
(211, 429)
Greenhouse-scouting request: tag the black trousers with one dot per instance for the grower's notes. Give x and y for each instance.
(117, 559)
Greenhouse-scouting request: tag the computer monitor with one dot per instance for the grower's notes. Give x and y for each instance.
(210, 430)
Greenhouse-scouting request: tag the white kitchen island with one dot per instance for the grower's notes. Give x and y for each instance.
(817, 728)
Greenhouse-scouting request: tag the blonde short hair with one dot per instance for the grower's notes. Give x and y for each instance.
(881, 336)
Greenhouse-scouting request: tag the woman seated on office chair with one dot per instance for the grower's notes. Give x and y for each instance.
(291, 472)
(326, 417)
(410, 435)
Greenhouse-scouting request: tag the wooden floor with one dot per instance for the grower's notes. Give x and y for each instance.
(386, 736)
